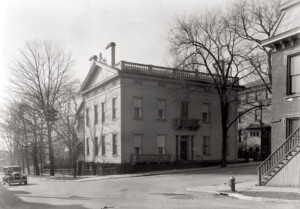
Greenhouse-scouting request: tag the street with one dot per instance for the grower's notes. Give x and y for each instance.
(160, 191)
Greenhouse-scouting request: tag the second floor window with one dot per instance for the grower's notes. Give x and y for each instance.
(161, 109)
(114, 108)
(103, 106)
(206, 145)
(161, 144)
(206, 113)
(294, 75)
(137, 143)
(257, 115)
(96, 113)
(138, 108)
(87, 116)
(185, 110)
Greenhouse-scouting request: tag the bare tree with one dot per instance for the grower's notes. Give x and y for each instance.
(39, 75)
(255, 21)
(210, 42)
(66, 125)
(7, 134)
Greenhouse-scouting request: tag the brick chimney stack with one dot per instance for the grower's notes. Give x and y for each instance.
(111, 53)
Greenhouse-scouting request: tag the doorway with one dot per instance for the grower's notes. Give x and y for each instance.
(184, 147)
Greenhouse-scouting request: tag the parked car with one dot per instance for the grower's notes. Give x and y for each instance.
(12, 174)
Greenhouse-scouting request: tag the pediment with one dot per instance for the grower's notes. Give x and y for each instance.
(98, 73)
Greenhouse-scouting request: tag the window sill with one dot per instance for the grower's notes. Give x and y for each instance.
(291, 96)
(115, 155)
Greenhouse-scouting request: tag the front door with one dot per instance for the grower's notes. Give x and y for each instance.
(184, 148)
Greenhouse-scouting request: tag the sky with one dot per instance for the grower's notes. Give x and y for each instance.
(85, 27)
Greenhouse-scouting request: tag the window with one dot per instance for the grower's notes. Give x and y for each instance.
(80, 149)
(96, 113)
(161, 109)
(291, 125)
(87, 146)
(96, 146)
(254, 133)
(161, 144)
(138, 108)
(206, 113)
(256, 95)
(240, 135)
(184, 110)
(103, 145)
(114, 108)
(294, 75)
(103, 111)
(206, 145)
(137, 143)
(87, 117)
(114, 142)
(240, 117)
(257, 115)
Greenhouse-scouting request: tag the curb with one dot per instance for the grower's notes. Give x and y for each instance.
(244, 197)
(264, 199)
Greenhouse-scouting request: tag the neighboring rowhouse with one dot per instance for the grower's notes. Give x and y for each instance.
(256, 98)
(282, 167)
(136, 113)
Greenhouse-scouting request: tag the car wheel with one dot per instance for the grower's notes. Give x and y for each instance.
(25, 182)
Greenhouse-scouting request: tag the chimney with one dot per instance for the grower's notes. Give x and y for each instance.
(111, 53)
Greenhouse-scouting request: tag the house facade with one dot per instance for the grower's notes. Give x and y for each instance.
(254, 126)
(136, 113)
(282, 167)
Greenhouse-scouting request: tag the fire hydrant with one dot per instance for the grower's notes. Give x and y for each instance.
(232, 183)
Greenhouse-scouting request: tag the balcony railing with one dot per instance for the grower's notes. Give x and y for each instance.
(151, 158)
(165, 72)
(192, 124)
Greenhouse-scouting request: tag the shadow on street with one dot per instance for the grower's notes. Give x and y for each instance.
(9, 200)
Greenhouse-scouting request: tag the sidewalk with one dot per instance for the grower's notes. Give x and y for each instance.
(152, 173)
(250, 191)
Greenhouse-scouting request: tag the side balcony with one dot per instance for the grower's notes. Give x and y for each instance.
(151, 158)
(192, 124)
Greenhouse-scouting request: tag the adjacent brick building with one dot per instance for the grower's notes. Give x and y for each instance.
(282, 168)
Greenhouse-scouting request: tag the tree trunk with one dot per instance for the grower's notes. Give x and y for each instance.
(27, 158)
(35, 160)
(224, 114)
(51, 153)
